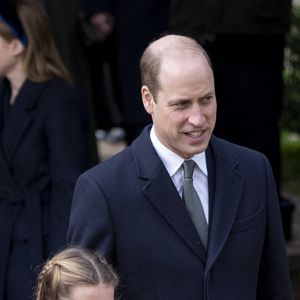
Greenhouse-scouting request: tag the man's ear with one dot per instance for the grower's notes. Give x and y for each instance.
(148, 99)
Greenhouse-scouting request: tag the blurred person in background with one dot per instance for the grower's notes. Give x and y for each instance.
(63, 18)
(134, 24)
(43, 145)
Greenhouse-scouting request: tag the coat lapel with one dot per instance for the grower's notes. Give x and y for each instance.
(20, 117)
(228, 187)
(162, 194)
(225, 197)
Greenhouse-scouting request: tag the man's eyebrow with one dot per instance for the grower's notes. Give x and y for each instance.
(178, 100)
(208, 94)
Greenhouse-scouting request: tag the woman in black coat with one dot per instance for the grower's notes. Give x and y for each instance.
(43, 146)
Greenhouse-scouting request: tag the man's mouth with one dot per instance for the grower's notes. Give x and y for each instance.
(195, 134)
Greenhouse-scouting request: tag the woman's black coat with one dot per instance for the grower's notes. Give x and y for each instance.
(43, 149)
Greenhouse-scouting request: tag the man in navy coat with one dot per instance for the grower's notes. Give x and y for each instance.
(130, 207)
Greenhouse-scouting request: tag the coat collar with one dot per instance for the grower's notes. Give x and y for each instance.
(162, 194)
(228, 185)
(225, 184)
(21, 116)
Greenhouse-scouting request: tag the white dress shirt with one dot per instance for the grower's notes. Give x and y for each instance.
(173, 164)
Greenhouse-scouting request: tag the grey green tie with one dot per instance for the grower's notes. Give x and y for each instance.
(193, 203)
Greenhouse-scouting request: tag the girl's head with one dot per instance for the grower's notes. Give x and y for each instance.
(75, 274)
(26, 21)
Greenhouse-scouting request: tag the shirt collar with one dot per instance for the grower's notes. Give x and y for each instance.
(173, 161)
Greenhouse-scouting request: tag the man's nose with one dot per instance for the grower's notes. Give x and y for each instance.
(196, 116)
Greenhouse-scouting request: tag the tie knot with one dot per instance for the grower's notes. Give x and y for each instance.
(188, 168)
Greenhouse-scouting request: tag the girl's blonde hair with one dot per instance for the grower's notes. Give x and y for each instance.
(73, 267)
(41, 59)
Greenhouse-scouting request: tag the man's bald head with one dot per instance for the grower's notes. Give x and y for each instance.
(169, 47)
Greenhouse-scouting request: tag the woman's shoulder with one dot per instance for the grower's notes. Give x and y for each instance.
(57, 95)
(59, 85)
(60, 90)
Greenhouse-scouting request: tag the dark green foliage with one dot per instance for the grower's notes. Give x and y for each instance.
(291, 102)
(290, 154)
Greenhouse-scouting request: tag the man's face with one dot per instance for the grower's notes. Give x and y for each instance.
(184, 111)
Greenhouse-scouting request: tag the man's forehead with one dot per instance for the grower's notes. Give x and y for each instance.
(175, 60)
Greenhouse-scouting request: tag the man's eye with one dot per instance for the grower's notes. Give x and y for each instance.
(181, 104)
(207, 99)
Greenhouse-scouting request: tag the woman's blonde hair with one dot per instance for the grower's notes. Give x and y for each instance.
(73, 267)
(41, 58)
